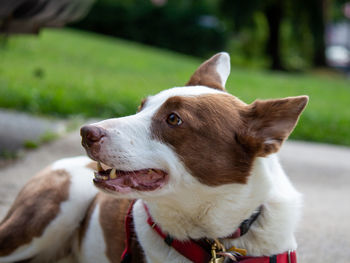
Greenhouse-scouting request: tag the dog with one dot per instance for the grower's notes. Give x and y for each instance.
(193, 176)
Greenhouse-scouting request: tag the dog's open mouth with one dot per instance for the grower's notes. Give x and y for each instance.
(126, 181)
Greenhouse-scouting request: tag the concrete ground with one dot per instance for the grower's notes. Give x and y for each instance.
(26, 128)
(320, 172)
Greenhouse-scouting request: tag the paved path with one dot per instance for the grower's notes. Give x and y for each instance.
(320, 172)
(25, 128)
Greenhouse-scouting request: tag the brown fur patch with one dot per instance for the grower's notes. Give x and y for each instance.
(37, 204)
(270, 122)
(206, 140)
(220, 135)
(206, 75)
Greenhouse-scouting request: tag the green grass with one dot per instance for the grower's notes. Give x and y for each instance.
(66, 72)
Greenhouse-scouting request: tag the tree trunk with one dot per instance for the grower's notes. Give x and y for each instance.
(274, 16)
(318, 22)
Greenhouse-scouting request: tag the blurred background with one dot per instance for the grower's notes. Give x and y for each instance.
(65, 62)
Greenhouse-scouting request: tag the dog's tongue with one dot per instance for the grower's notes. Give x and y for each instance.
(142, 180)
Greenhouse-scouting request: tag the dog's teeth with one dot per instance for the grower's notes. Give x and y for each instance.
(99, 167)
(149, 171)
(113, 174)
(101, 177)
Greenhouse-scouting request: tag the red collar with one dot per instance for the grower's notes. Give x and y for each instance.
(198, 251)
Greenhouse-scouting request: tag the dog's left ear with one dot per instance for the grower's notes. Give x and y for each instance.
(213, 73)
(270, 122)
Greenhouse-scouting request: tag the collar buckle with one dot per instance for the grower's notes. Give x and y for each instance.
(216, 248)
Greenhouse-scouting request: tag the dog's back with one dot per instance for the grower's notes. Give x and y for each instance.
(58, 212)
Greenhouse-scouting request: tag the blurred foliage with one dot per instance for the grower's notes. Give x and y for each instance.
(45, 138)
(69, 72)
(337, 9)
(295, 29)
(287, 35)
(30, 144)
(182, 25)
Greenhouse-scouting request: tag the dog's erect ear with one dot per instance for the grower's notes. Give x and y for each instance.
(212, 73)
(270, 122)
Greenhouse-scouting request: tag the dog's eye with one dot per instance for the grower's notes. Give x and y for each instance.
(174, 120)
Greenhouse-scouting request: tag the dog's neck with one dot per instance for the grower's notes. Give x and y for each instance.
(217, 212)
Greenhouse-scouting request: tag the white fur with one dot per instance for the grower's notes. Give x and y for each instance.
(93, 247)
(217, 212)
(223, 67)
(155, 249)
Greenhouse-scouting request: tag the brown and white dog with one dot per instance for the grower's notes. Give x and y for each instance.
(201, 160)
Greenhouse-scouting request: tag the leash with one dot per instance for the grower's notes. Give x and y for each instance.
(197, 251)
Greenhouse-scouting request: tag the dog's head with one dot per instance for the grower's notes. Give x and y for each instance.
(192, 136)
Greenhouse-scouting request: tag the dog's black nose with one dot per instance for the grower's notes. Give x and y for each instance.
(91, 134)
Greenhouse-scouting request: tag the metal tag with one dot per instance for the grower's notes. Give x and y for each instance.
(217, 260)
